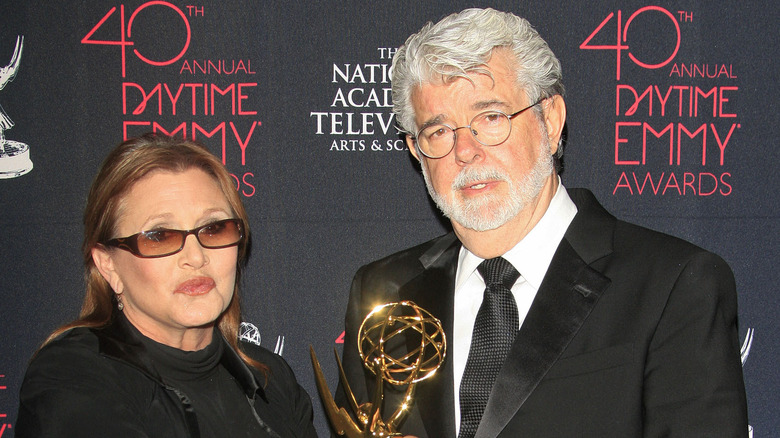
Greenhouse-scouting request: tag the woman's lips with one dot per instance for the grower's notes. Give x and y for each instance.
(196, 286)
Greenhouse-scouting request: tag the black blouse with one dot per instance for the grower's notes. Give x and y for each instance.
(219, 402)
(112, 381)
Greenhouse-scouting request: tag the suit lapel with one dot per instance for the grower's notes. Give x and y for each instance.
(433, 290)
(565, 298)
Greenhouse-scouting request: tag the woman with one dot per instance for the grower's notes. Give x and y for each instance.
(155, 352)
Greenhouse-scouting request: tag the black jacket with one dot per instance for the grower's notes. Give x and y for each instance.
(102, 383)
(632, 334)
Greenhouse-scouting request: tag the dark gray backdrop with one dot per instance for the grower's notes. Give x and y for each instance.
(322, 201)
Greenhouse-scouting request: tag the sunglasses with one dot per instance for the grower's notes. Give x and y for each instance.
(164, 242)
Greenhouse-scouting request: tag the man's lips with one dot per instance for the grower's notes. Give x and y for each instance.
(474, 181)
(478, 186)
(196, 286)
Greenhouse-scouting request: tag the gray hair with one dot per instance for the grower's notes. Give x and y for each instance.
(463, 43)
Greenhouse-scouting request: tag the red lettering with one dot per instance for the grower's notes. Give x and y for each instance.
(722, 144)
(688, 182)
(653, 186)
(247, 183)
(181, 129)
(712, 93)
(183, 18)
(723, 182)
(144, 100)
(199, 96)
(664, 99)
(714, 187)
(622, 37)
(230, 89)
(126, 31)
(623, 182)
(619, 141)
(220, 129)
(242, 97)
(174, 99)
(723, 100)
(195, 130)
(241, 142)
(702, 130)
(127, 123)
(669, 184)
(701, 184)
(668, 129)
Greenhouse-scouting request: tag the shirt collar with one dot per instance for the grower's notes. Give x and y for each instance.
(532, 255)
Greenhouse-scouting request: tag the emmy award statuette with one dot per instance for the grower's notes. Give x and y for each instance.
(14, 155)
(387, 324)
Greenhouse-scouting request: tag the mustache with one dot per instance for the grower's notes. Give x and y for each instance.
(469, 176)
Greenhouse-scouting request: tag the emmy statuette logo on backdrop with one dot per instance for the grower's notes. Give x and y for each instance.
(389, 328)
(14, 155)
(249, 332)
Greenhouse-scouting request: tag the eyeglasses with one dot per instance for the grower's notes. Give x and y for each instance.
(489, 128)
(164, 242)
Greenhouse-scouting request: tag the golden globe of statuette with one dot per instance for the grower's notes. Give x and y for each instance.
(389, 328)
(393, 321)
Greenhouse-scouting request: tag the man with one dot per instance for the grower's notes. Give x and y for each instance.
(604, 329)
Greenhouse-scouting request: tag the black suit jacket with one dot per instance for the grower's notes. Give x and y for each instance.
(632, 334)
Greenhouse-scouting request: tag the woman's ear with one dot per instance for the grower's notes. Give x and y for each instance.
(104, 261)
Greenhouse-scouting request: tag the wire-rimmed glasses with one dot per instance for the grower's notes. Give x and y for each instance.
(489, 128)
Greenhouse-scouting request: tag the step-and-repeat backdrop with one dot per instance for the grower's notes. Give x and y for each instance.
(672, 123)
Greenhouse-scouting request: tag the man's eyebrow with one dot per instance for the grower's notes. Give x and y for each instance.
(477, 106)
(489, 104)
(436, 120)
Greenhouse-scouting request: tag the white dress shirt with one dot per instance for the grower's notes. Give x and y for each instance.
(531, 257)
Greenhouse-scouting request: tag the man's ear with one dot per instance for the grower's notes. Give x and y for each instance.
(554, 119)
(104, 262)
(412, 148)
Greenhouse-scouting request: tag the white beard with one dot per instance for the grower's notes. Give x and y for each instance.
(488, 212)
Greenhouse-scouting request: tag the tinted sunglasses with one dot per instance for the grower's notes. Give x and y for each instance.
(164, 242)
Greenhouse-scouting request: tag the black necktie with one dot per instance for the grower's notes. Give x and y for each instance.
(495, 329)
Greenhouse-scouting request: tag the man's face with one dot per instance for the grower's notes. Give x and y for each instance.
(484, 187)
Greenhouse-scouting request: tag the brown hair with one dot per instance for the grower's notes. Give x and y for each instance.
(128, 163)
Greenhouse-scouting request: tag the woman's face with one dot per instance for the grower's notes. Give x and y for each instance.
(175, 299)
